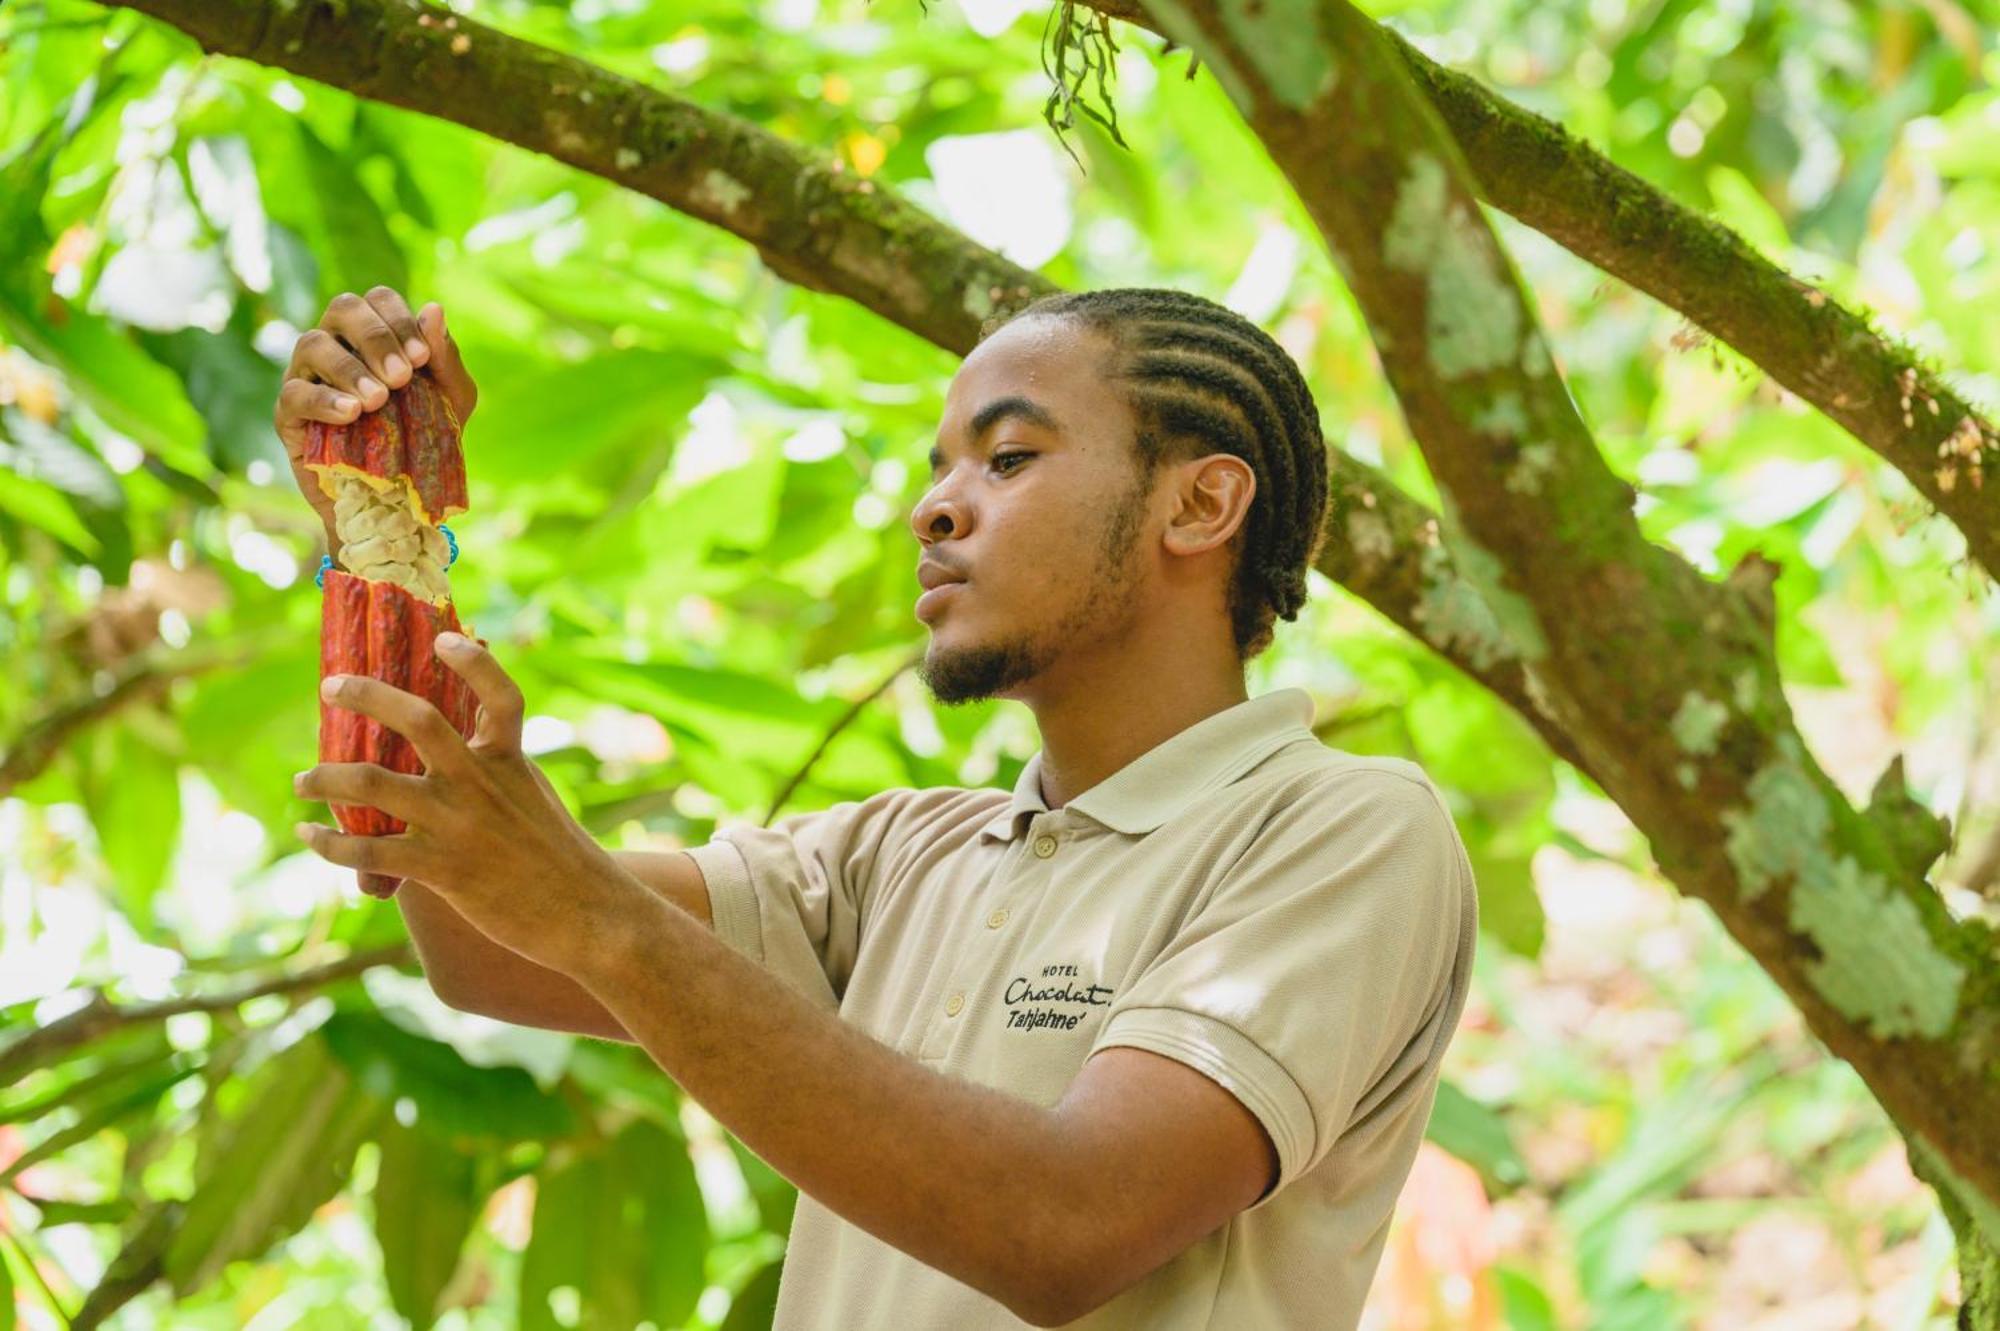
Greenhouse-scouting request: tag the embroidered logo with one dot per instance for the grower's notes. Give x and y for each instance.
(1055, 986)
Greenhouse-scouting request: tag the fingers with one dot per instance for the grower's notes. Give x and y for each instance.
(363, 328)
(397, 856)
(415, 719)
(389, 306)
(302, 400)
(397, 794)
(447, 367)
(500, 703)
(321, 357)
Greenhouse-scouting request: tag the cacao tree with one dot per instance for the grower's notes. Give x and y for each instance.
(1544, 585)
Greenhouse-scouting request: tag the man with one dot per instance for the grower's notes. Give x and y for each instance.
(1149, 1041)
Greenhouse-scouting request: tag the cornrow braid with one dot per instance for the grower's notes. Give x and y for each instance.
(1204, 380)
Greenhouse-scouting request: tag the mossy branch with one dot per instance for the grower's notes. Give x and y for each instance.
(1871, 384)
(1666, 682)
(810, 222)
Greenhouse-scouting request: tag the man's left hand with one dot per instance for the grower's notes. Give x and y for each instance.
(484, 828)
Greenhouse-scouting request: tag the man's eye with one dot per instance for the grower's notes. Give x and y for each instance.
(999, 458)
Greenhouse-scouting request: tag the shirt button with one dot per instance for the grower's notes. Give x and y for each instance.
(1045, 846)
(954, 1004)
(997, 918)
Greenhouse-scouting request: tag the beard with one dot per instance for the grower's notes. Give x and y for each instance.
(978, 671)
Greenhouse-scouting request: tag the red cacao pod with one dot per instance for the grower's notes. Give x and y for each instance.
(393, 474)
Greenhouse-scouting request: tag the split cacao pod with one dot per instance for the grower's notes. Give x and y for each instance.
(393, 474)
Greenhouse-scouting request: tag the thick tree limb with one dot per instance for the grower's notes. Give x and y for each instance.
(1878, 390)
(811, 224)
(1572, 676)
(1665, 681)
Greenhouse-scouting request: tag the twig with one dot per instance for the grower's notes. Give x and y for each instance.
(100, 1016)
(847, 719)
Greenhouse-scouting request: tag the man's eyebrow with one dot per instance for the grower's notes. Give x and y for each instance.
(998, 410)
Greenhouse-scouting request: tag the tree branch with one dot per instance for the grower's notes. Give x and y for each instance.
(811, 224)
(1666, 682)
(101, 1016)
(846, 719)
(142, 675)
(812, 221)
(1873, 386)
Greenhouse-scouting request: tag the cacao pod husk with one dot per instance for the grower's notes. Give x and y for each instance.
(394, 473)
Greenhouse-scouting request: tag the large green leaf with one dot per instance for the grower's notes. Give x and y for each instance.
(472, 1107)
(428, 1194)
(132, 790)
(270, 1167)
(623, 1226)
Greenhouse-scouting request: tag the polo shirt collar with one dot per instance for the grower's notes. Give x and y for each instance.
(1171, 775)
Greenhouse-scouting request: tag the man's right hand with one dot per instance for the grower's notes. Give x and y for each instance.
(362, 348)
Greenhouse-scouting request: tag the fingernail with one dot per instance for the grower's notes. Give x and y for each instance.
(395, 367)
(331, 688)
(342, 402)
(301, 830)
(298, 783)
(368, 386)
(451, 642)
(420, 350)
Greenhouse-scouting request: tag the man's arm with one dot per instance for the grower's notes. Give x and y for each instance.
(469, 972)
(1047, 1211)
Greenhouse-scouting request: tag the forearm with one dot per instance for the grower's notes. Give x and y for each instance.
(964, 1178)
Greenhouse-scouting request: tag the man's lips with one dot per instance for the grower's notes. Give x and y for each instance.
(933, 600)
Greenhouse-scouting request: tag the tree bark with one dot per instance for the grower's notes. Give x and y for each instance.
(1535, 579)
(810, 222)
(1870, 384)
(1665, 681)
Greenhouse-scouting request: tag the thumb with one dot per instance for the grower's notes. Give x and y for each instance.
(445, 363)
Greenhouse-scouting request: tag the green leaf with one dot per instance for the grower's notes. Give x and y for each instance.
(54, 1212)
(350, 224)
(232, 386)
(1476, 1135)
(624, 1227)
(756, 1304)
(570, 413)
(135, 395)
(41, 505)
(473, 1107)
(109, 1078)
(134, 798)
(428, 1194)
(271, 1167)
(113, 1110)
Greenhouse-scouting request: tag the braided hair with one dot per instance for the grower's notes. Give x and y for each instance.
(1203, 379)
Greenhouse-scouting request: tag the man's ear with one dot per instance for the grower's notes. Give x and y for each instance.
(1213, 503)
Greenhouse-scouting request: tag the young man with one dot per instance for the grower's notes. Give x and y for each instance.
(1152, 1038)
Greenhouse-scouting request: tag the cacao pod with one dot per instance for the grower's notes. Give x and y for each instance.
(393, 474)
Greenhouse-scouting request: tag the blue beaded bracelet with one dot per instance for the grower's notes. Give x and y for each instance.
(326, 561)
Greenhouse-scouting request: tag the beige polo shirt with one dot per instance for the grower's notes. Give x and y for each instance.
(1293, 921)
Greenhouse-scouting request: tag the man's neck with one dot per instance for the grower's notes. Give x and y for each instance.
(1084, 744)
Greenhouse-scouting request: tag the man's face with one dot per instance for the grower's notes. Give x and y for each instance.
(1052, 544)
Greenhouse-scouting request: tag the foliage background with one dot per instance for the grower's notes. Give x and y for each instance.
(688, 541)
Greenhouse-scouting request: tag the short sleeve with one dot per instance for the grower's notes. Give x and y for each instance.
(1323, 953)
(792, 896)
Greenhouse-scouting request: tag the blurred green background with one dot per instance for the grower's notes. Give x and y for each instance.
(688, 541)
